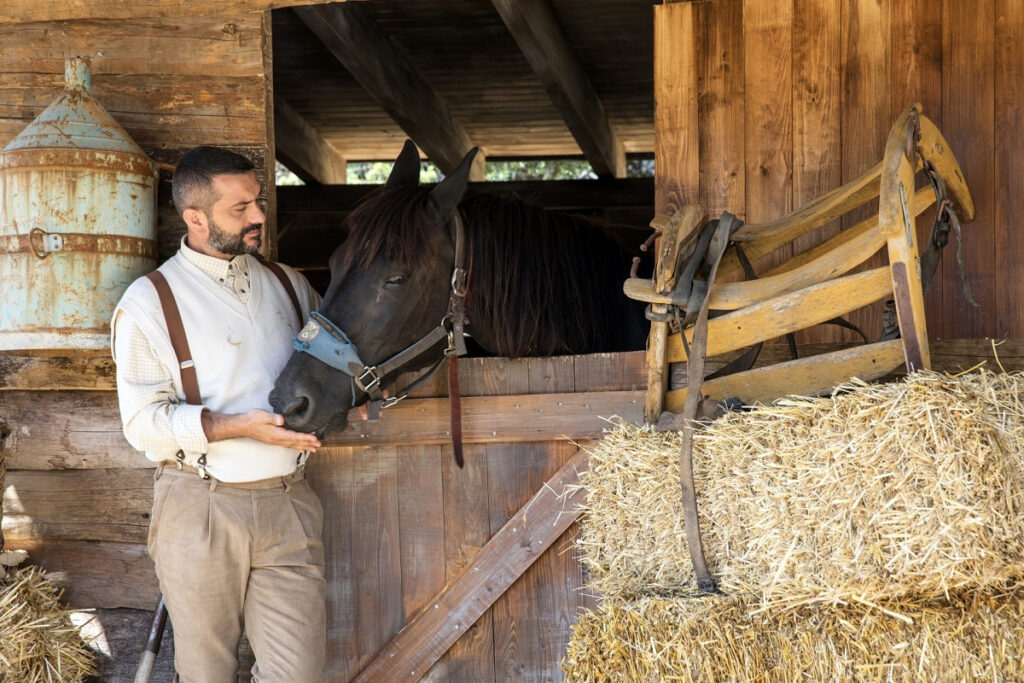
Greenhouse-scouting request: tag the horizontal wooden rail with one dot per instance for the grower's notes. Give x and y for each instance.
(82, 430)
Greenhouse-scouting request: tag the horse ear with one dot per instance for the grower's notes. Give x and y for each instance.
(406, 170)
(447, 194)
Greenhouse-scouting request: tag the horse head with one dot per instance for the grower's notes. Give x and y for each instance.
(390, 285)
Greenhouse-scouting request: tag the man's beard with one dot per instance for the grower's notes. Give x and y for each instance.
(233, 245)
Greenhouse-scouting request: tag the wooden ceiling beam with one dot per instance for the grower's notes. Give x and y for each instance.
(303, 150)
(375, 61)
(22, 11)
(535, 28)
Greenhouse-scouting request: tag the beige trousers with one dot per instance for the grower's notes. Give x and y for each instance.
(229, 558)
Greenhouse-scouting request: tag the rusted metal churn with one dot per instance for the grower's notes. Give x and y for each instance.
(77, 222)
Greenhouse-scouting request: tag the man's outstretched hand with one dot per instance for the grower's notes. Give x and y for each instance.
(256, 424)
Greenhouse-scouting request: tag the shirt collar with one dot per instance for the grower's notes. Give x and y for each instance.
(216, 268)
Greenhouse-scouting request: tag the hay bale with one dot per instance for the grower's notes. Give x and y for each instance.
(977, 636)
(909, 488)
(37, 639)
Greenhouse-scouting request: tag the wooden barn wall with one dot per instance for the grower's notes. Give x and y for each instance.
(402, 520)
(763, 105)
(172, 83)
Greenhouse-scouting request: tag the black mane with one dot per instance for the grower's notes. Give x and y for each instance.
(545, 283)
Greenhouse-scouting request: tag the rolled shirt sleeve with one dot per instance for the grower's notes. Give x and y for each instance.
(154, 419)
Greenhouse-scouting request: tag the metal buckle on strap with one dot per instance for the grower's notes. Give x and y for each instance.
(201, 466)
(374, 383)
(179, 458)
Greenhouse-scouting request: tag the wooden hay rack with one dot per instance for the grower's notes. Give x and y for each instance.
(813, 287)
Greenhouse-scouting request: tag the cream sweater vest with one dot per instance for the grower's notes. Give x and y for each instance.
(237, 356)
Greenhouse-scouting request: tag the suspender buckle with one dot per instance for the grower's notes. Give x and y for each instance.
(201, 466)
(179, 459)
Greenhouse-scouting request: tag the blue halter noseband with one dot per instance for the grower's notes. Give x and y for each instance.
(333, 348)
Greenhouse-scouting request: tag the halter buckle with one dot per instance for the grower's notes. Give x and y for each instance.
(369, 371)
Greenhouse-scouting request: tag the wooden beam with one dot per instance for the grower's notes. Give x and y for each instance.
(607, 193)
(535, 28)
(82, 429)
(350, 33)
(21, 11)
(509, 553)
(85, 370)
(303, 150)
(97, 574)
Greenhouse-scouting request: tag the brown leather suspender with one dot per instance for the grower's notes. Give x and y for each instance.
(179, 341)
(277, 270)
(176, 329)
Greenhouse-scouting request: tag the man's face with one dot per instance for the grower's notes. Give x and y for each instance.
(235, 220)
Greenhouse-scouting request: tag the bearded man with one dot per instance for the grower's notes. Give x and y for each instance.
(235, 532)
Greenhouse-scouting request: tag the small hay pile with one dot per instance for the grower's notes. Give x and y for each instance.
(38, 643)
(877, 535)
(909, 488)
(974, 637)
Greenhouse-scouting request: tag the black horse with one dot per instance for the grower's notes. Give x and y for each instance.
(539, 283)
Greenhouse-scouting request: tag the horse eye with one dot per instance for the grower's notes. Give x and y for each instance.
(394, 281)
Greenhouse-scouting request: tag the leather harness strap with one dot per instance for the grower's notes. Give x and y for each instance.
(694, 379)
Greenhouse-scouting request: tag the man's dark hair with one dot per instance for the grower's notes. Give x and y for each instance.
(193, 176)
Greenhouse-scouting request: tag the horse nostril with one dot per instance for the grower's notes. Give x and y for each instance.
(297, 407)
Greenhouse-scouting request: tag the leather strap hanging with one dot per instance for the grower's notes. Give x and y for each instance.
(694, 379)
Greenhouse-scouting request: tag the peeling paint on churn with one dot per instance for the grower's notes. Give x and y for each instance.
(77, 222)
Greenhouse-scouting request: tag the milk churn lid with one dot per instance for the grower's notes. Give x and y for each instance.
(75, 120)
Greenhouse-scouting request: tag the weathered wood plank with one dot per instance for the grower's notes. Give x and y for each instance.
(331, 473)
(356, 41)
(865, 114)
(227, 46)
(1009, 170)
(916, 76)
(466, 532)
(83, 505)
(95, 370)
(97, 574)
(48, 371)
(16, 11)
(66, 429)
(535, 28)
(62, 430)
(968, 101)
(528, 534)
(722, 171)
(676, 122)
(388, 546)
(816, 133)
(768, 115)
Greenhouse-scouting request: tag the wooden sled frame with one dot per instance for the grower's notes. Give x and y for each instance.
(814, 286)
